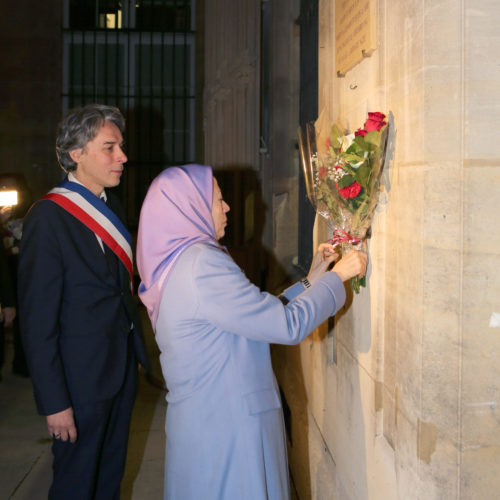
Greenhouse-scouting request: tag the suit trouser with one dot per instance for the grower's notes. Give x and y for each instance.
(93, 466)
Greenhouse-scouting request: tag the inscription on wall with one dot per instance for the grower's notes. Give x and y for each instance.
(355, 32)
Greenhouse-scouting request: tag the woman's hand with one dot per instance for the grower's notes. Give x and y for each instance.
(325, 255)
(351, 265)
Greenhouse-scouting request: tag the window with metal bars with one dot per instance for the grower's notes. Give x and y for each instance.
(138, 55)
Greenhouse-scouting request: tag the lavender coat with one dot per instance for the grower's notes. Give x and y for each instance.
(224, 425)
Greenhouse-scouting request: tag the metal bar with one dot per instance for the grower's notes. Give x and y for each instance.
(162, 81)
(184, 94)
(166, 24)
(151, 90)
(174, 88)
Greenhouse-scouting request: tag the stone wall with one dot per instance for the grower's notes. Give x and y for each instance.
(231, 96)
(409, 409)
(233, 127)
(400, 398)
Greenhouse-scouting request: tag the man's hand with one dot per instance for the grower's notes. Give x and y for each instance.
(350, 265)
(61, 425)
(9, 313)
(325, 255)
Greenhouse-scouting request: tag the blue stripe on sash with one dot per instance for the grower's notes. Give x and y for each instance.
(100, 205)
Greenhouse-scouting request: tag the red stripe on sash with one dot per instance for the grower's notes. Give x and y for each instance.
(94, 226)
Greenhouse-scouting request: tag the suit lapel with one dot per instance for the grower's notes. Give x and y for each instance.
(97, 258)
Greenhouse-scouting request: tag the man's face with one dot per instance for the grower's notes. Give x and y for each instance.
(100, 163)
(219, 210)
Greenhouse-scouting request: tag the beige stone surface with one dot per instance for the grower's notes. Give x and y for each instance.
(481, 343)
(479, 476)
(416, 363)
(481, 79)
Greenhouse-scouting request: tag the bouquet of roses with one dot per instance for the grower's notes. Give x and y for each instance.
(342, 175)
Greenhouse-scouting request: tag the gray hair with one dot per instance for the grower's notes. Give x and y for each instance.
(80, 126)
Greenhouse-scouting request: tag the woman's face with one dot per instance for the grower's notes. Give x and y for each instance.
(219, 210)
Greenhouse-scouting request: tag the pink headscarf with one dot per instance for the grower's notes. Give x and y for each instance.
(176, 213)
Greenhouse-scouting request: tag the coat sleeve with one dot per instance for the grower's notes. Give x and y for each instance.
(292, 291)
(228, 300)
(40, 288)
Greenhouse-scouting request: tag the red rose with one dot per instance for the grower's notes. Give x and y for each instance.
(360, 131)
(350, 191)
(375, 121)
(322, 172)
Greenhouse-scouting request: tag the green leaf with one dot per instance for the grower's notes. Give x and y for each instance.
(359, 140)
(354, 149)
(373, 137)
(336, 137)
(352, 158)
(347, 180)
(357, 283)
(363, 174)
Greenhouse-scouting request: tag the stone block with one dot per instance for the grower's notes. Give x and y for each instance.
(479, 477)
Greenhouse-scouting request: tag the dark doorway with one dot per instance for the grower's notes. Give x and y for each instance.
(308, 111)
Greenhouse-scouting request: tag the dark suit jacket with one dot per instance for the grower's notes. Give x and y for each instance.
(75, 317)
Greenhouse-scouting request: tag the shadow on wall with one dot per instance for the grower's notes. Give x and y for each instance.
(241, 189)
(322, 403)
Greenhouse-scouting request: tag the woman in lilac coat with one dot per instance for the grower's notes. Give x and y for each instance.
(225, 436)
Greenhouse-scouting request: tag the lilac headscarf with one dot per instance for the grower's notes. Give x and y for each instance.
(176, 213)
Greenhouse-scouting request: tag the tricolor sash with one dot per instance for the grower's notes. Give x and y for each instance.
(97, 216)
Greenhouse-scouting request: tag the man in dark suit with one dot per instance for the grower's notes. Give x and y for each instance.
(79, 324)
